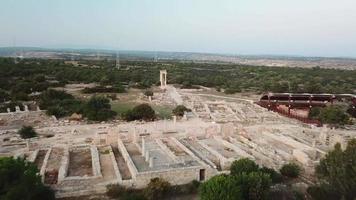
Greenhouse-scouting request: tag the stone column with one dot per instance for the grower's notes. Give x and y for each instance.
(147, 156)
(8, 110)
(26, 108)
(174, 120)
(151, 162)
(143, 146)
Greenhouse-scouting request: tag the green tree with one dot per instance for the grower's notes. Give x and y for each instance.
(98, 108)
(20, 180)
(180, 109)
(337, 171)
(27, 132)
(140, 112)
(243, 165)
(220, 187)
(331, 115)
(255, 185)
(275, 176)
(290, 170)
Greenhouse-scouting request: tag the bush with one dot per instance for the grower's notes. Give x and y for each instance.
(140, 112)
(99, 109)
(180, 109)
(275, 176)
(190, 188)
(156, 189)
(232, 90)
(116, 191)
(221, 187)
(27, 132)
(337, 173)
(331, 115)
(243, 165)
(20, 180)
(290, 170)
(148, 93)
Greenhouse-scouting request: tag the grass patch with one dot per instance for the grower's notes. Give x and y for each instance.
(164, 112)
(122, 107)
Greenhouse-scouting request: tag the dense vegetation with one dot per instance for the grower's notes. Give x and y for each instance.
(20, 180)
(246, 181)
(141, 112)
(156, 189)
(180, 109)
(337, 174)
(27, 132)
(60, 104)
(18, 80)
(334, 115)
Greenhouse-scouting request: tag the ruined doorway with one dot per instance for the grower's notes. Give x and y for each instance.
(202, 175)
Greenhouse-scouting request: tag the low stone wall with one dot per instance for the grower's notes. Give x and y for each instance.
(239, 151)
(173, 176)
(33, 156)
(63, 170)
(166, 150)
(95, 161)
(223, 161)
(114, 164)
(127, 158)
(44, 164)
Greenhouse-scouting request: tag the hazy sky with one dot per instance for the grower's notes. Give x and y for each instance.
(294, 27)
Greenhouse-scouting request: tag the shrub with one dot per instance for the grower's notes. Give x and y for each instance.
(275, 176)
(221, 187)
(290, 170)
(27, 132)
(116, 191)
(243, 165)
(140, 112)
(180, 109)
(20, 180)
(148, 93)
(99, 109)
(156, 189)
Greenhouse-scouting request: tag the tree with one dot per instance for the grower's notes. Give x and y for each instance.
(337, 172)
(20, 180)
(275, 176)
(290, 170)
(156, 189)
(180, 109)
(140, 112)
(27, 132)
(330, 115)
(255, 185)
(220, 187)
(243, 165)
(98, 108)
(4, 95)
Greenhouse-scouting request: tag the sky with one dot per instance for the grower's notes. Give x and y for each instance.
(243, 27)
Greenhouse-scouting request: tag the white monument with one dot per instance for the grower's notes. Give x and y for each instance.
(163, 78)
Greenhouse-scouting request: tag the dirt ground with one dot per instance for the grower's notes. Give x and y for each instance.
(80, 163)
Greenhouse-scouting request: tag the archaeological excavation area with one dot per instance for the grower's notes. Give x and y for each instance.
(77, 158)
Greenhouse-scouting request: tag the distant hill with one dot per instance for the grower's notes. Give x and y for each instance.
(260, 60)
